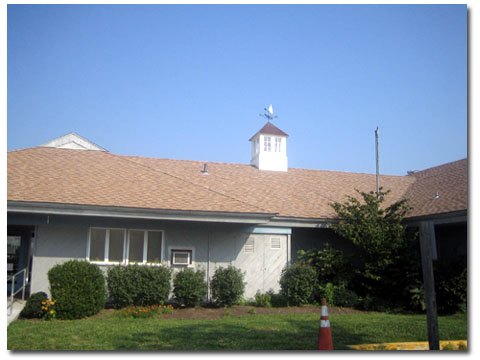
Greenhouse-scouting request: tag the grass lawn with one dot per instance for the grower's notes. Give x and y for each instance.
(253, 332)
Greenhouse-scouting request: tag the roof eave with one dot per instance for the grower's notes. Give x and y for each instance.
(451, 217)
(136, 213)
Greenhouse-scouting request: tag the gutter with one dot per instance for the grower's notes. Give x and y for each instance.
(443, 218)
(136, 213)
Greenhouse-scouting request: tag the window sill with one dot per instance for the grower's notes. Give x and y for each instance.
(104, 263)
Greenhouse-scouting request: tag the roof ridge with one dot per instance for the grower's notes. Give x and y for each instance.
(190, 182)
(439, 166)
(249, 165)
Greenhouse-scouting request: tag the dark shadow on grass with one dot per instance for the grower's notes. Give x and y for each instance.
(223, 335)
(220, 335)
(341, 336)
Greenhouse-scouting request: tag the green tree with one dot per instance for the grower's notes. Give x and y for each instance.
(330, 263)
(380, 237)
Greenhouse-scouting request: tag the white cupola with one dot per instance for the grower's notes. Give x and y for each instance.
(269, 149)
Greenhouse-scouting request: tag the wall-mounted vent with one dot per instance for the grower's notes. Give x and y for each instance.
(249, 246)
(275, 243)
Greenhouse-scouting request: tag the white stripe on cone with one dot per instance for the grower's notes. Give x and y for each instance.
(325, 323)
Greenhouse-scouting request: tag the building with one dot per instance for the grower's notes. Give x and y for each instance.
(72, 199)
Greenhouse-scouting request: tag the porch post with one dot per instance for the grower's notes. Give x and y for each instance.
(427, 239)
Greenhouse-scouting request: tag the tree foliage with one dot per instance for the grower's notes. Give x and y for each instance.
(378, 233)
(330, 263)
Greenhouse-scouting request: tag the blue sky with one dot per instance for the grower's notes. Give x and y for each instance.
(189, 81)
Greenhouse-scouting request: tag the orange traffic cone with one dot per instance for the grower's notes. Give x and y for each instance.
(324, 333)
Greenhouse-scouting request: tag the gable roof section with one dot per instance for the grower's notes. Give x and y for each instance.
(73, 141)
(270, 129)
(449, 180)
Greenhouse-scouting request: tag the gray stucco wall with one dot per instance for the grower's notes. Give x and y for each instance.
(213, 245)
(54, 245)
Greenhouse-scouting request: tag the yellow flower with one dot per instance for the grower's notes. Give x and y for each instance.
(51, 311)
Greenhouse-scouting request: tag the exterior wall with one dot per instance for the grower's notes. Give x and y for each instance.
(212, 245)
(54, 245)
(269, 160)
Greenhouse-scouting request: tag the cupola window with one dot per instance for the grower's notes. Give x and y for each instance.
(278, 144)
(267, 145)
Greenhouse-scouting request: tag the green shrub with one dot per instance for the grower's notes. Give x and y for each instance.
(299, 284)
(344, 297)
(33, 307)
(78, 288)
(337, 295)
(450, 288)
(277, 300)
(227, 286)
(263, 300)
(326, 292)
(331, 264)
(189, 287)
(138, 285)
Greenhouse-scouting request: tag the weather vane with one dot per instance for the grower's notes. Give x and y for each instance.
(268, 114)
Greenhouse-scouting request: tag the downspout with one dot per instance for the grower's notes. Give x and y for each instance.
(289, 249)
(208, 265)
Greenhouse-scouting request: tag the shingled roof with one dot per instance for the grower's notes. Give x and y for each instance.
(65, 176)
(270, 129)
(441, 189)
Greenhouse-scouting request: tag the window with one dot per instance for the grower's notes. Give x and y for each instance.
(97, 244)
(267, 146)
(181, 257)
(154, 246)
(144, 246)
(278, 144)
(106, 245)
(135, 246)
(114, 246)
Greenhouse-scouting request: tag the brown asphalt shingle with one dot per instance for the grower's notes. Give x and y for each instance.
(449, 180)
(270, 129)
(102, 178)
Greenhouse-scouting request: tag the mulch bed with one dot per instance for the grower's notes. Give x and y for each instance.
(210, 313)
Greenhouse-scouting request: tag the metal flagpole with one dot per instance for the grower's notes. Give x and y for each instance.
(378, 162)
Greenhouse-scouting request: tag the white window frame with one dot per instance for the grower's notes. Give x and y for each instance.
(145, 247)
(267, 143)
(126, 246)
(278, 144)
(190, 250)
(107, 245)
